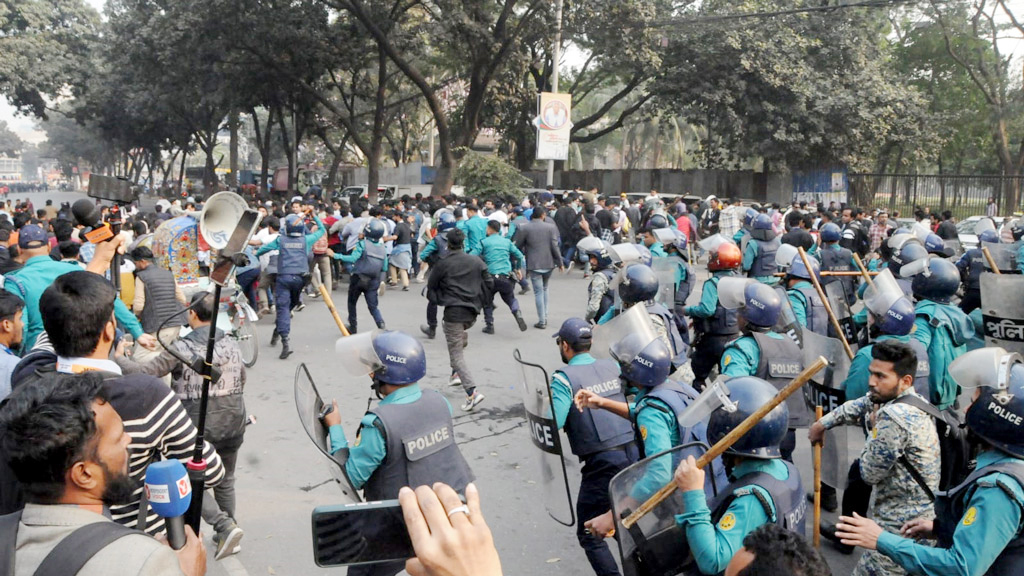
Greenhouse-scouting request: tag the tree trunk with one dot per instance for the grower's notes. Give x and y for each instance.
(233, 146)
(377, 138)
(181, 171)
(288, 152)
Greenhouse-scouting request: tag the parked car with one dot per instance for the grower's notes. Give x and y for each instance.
(965, 230)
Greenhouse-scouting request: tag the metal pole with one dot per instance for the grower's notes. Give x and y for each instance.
(555, 56)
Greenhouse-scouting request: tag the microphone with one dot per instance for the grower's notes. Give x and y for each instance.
(169, 492)
(85, 213)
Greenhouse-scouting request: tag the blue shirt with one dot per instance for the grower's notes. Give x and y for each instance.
(476, 230)
(989, 523)
(8, 360)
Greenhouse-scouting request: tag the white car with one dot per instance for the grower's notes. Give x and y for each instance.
(965, 230)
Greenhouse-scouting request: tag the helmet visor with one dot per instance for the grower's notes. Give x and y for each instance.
(921, 231)
(712, 398)
(634, 320)
(356, 354)
(880, 295)
(624, 254)
(898, 241)
(916, 267)
(664, 235)
(784, 256)
(713, 243)
(731, 291)
(983, 225)
(984, 367)
(590, 244)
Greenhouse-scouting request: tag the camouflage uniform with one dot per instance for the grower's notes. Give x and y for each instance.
(900, 429)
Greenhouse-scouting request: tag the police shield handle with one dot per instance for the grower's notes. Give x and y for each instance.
(828, 307)
(329, 301)
(729, 439)
(991, 261)
(817, 484)
(863, 269)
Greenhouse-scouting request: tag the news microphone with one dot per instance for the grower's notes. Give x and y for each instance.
(169, 492)
(86, 214)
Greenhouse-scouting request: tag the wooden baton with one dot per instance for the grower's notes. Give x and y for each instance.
(863, 270)
(824, 299)
(990, 259)
(728, 440)
(817, 484)
(329, 301)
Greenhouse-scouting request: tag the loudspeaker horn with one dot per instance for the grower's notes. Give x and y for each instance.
(221, 215)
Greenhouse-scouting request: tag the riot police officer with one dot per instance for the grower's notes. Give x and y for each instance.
(656, 222)
(601, 440)
(676, 250)
(943, 329)
(408, 438)
(713, 325)
(600, 294)
(807, 305)
(435, 251)
(835, 258)
(370, 260)
(771, 356)
(293, 248)
(639, 285)
(905, 249)
(742, 236)
(971, 265)
(764, 487)
(760, 250)
(978, 522)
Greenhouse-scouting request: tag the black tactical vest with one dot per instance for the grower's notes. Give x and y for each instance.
(421, 448)
(723, 323)
(675, 344)
(161, 302)
(292, 257)
(371, 262)
(685, 286)
(592, 431)
(787, 495)
(814, 310)
(764, 260)
(608, 300)
(677, 397)
(781, 361)
(839, 261)
(949, 507)
(976, 259)
(441, 241)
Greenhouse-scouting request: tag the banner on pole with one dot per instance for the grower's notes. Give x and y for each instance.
(554, 123)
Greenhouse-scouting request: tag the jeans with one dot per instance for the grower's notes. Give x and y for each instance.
(219, 511)
(593, 501)
(539, 280)
(506, 287)
(431, 314)
(365, 286)
(247, 284)
(286, 293)
(457, 338)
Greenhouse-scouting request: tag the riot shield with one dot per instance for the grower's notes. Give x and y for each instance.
(1004, 255)
(310, 407)
(625, 254)
(825, 390)
(787, 323)
(954, 247)
(634, 320)
(655, 545)
(837, 298)
(665, 269)
(545, 436)
(1002, 310)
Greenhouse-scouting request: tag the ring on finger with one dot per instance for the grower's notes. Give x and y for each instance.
(463, 509)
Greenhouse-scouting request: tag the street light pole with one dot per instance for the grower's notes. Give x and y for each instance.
(555, 56)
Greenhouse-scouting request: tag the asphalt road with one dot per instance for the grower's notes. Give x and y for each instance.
(282, 477)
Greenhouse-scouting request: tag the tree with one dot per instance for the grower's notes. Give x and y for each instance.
(10, 143)
(489, 177)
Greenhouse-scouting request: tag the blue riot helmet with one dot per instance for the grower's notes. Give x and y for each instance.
(749, 216)
(797, 269)
(374, 229)
(934, 278)
(639, 284)
(761, 222)
(908, 253)
(445, 222)
(830, 232)
(749, 393)
(934, 245)
(989, 236)
(294, 225)
(997, 413)
(1017, 229)
(760, 304)
(393, 357)
(643, 362)
(655, 222)
(891, 311)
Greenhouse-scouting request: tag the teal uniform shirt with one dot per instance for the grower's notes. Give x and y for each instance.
(429, 249)
(740, 234)
(657, 250)
(370, 449)
(797, 301)
(659, 431)
(310, 238)
(742, 355)
(476, 230)
(31, 280)
(714, 545)
(991, 520)
(561, 390)
(357, 253)
(749, 254)
(856, 383)
(708, 297)
(941, 349)
(498, 253)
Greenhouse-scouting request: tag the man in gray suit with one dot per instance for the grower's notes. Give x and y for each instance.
(539, 241)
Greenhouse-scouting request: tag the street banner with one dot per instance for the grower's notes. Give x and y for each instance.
(554, 125)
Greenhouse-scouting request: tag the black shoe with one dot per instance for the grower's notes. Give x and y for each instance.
(430, 331)
(828, 530)
(274, 338)
(829, 502)
(520, 321)
(285, 350)
(524, 289)
(489, 329)
(381, 326)
(351, 329)
(541, 325)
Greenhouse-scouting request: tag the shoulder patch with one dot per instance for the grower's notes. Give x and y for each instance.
(726, 359)
(728, 522)
(643, 432)
(970, 516)
(359, 438)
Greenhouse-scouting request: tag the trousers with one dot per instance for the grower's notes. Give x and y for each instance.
(286, 297)
(707, 351)
(365, 286)
(506, 287)
(593, 500)
(539, 279)
(219, 511)
(457, 338)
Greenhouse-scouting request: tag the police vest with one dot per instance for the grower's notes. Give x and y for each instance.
(161, 302)
(839, 261)
(787, 495)
(949, 505)
(421, 448)
(923, 371)
(677, 397)
(764, 259)
(976, 265)
(675, 343)
(722, 323)
(593, 431)
(685, 286)
(814, 311)
(371, 262)
(608, 300)
(292, 258)
(781, 361)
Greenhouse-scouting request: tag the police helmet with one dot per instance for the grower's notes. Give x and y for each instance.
(1018, 229)
(797, 269)
(784, 257)
(644, 363)
(762, 305)
(762, 441)
(656, 221)
(990, 236)
(680, 242)
(761, 222)
(830, 232)
(639, 284)
(445, 222)
(727, 257)
(749, 216)
(402, 358)
(934, 245)
(374, 229)
(898, 319)
(910, 252)
(645, 254)
(938, 280)
(294, 225)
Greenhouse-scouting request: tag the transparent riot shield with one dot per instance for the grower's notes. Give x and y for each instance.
(787, 323)
(954, 248)
(545, 436)
(1004, 255)
(665, 269)
(837, 298)
(825, 390)
(1002, 310)
(655, 545)
(311, 408)
(634, 320)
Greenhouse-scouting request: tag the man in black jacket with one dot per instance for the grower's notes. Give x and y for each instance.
(462, 284)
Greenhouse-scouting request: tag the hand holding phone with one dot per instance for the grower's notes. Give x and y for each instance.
(448, 541)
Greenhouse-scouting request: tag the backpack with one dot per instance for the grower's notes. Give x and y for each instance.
(954, 448)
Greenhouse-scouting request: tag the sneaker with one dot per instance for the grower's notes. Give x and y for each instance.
(472, 401)
(405, 288)
(419, 280)
(455, 379)
(300, 307)
(227, 541)
(524, 289)
(541, 325)
(381, 289)
(430, 331)
(489, 329)
(572, 264)
(522, 323)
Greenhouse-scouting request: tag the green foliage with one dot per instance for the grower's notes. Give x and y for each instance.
(10, 144)
(489, 177)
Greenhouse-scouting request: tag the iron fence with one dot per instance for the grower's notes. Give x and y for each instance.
(963, 195)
